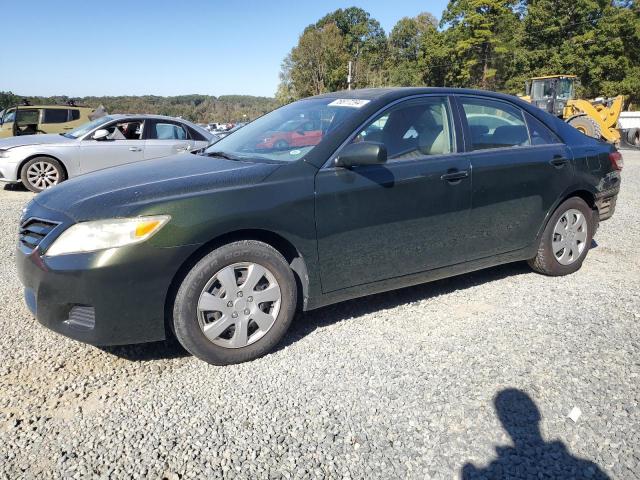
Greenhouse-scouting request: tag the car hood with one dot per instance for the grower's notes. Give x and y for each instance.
(25, 140)
(130, 189)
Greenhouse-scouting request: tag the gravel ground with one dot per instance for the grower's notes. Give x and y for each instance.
(444, 380)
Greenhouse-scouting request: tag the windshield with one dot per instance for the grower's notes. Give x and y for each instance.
(288, 133)
(544, 88)
(87, 127)
(565, 89)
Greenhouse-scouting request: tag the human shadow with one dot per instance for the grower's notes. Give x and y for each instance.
(530, 456)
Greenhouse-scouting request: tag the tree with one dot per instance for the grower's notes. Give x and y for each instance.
(594, 39)
(414, 49)
(479, 32)
(317, 64)
(364, 41)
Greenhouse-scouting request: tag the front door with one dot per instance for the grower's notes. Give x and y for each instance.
(406, 216)
(123, 145)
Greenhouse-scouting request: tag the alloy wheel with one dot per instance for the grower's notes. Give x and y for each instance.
(569, 236)
(42, 175)
(239, 305)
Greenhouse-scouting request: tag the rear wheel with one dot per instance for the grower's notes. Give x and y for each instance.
(586, 125)
(633, 137)
(235, 304)
(41, 173)
(566, 239)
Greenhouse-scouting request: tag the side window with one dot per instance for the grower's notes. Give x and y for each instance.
(195, 135)
(125, 130)
(167, 131)
(74, 115)
(413, 129)
(27, 117)
(494, 124)
(540, 133)
(55, 115)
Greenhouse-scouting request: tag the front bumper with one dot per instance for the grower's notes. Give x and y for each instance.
(9, 169)
(111, 297)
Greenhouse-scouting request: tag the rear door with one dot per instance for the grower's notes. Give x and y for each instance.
(520, 169)
(406, 216)
(165, 137)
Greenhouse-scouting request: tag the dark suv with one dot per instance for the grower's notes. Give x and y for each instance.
(402, 187)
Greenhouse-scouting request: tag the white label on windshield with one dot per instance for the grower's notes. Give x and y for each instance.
(349, 102)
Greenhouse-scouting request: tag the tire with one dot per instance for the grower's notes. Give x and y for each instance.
(564, 262)
(633, 137)
(41, 173)
(586, 125)
(202, 291)
(281, 145)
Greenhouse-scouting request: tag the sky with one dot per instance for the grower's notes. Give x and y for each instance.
(160, 47)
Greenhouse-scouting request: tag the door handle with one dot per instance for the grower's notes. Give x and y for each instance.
(135, 149)
(454, 177)
(559, 162)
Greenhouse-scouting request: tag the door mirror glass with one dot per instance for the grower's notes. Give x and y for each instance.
(101, 134)
(362, 153)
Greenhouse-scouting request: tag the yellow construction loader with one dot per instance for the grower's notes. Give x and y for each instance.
(557, 95)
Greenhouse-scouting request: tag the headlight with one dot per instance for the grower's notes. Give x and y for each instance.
(4, 153)
(103, 234)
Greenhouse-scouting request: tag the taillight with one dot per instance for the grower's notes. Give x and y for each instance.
(616, 160)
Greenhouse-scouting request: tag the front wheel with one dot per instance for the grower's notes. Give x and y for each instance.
(566, 239)
(41, 173)
(235, 304)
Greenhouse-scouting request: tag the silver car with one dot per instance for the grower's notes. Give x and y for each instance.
(41, 161)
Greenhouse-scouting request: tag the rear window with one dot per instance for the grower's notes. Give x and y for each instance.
(55, 115)
(168, 131)
(540, 133)
(494, 124)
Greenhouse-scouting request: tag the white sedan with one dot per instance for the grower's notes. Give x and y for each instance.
(41, 161)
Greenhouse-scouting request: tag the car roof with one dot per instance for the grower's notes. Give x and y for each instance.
(66, 107)
(388, 94)
(148, 116)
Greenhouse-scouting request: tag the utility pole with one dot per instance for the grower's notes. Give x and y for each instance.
(349, 77)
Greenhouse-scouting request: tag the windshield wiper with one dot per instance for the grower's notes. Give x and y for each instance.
(224, 155)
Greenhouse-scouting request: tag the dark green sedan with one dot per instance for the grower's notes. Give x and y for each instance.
(372, 190)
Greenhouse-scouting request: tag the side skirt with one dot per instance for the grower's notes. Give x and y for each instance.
(418, 278)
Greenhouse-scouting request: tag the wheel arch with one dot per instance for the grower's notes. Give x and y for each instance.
(36, 155)
(581, 192)
(284, 246)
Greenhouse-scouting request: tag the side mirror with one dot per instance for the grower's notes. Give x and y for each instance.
(362, 153)
(101, 134)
